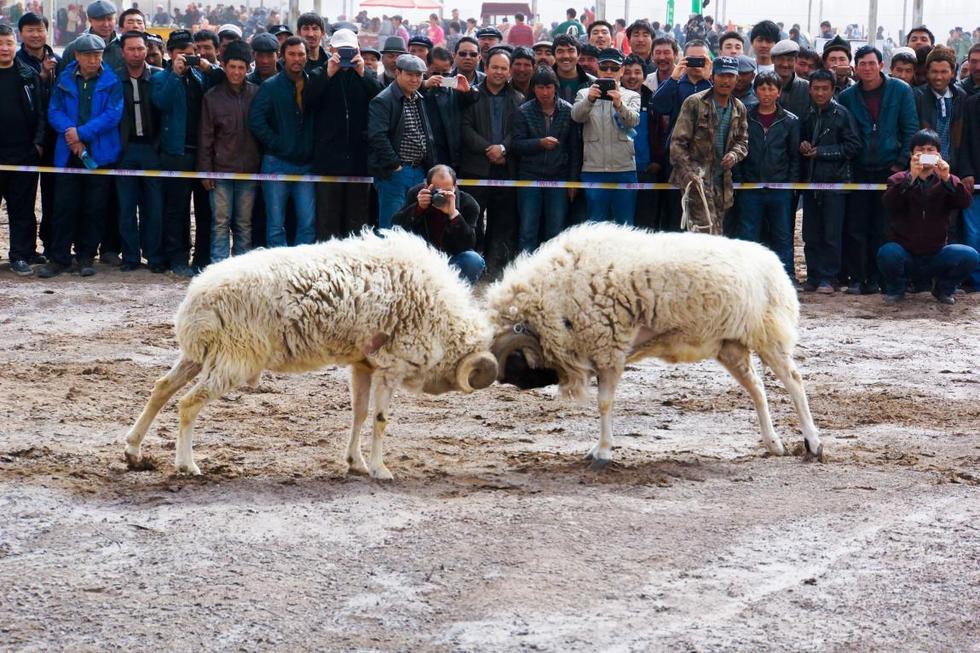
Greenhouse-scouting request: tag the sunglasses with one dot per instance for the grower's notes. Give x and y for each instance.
(467, 54)
(609, 67)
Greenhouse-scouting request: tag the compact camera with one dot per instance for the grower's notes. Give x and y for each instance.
(928, 159)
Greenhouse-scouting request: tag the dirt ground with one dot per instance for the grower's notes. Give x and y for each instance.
(494, 536)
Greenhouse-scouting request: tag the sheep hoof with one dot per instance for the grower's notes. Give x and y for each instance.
(189, 469)
(357, 467)
(599, 464)
(811, 456)
(137, 463)
(381, 474)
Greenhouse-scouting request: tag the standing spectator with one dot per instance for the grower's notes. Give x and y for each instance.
(971, 85)
(487, 37)
(311, 29)
(140, 198)
(544, 54)
(601, 34)
(663, 57)
(620, 40)
(922, 202)
(398, 29)
(731, 44)
(641, 36)
(280, 121)
(22, 141)
(161, 18)
(487, 133)
(939, 104)
(338, 99)
(763, 37)
(206, 45)
(546, 141)
(571, 76)
(743, 87)
(521, 69)
(444, 106)
(570, 27)
(826, 31)
(829, 142)
(228, 33)
(436, 32)
(807, 61)
(968, 163)
(588, 58)
(837, 59)
(609, 119)
(394, 48)
(154, 50)
(903, 65)
(773, 156)
(85, 110)
(36, 54)
(400, 143)
(922, 40)
(647, 206)
(227, 145)
(521, 33)
(420, 46)
(439, 212)
(102, 20)
(795, 93)
(177, 93)
(265, 52)
(710, 138)
(884, 111)
(465, 60)
(684, 82)
(664, 206)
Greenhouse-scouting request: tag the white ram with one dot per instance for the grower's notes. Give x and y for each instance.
(600, 296)
(392, 308)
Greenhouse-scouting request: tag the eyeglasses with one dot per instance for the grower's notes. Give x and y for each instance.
(609, 67)
(467, 54)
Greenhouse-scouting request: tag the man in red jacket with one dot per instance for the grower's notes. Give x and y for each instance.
(923, 202)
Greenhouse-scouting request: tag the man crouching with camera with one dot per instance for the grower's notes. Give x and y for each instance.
(446, 218)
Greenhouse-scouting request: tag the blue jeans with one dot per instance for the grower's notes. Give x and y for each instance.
(392, 191)
(971, 235)
(615, 205)
(532, 205)
(470, 265)
(231, 211)
(949, 267)
(277, 193)
(142, 236)
(774, 208)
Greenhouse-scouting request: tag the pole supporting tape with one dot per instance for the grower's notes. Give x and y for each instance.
(498, 183)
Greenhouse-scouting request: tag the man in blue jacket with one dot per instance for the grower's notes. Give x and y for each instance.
(884, 112)
(85, 109)
(177, 94)
(283, 125)
(685, 81)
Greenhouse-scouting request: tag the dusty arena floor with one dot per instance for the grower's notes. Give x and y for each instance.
(494, 535)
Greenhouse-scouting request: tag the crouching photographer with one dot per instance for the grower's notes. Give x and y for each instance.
(446, 218)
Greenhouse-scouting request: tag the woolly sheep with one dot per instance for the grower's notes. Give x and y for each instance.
(600, 296)
(390, 307)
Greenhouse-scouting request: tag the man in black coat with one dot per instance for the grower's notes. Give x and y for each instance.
(338, 97)
(446, 218)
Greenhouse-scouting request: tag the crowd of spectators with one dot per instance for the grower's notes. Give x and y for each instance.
(596, 102)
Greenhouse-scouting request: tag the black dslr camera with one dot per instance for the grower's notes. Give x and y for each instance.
(439, 198)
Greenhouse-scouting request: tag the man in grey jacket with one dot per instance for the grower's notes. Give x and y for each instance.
(795, 93)
(609, 114)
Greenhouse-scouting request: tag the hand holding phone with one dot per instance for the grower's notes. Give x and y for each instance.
(695, 62)
(605, 85)
(347, 57)
(192, 60)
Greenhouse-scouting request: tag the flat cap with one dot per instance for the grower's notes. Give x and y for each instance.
(489, 32)
(394, 44)
(100, 9)
(786, 46)
(265, 42)
(276, 30)
(610, 54)
(424, 41)
(88, 43)
(724, 66)
(179, 38)
(230, 29)
(745, 64)
(410, 64)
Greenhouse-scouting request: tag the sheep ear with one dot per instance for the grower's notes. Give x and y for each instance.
(376, 342)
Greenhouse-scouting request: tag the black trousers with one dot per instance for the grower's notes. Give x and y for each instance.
(341, 209)
(647, 203)
(80, 203)
(46, 229)
(19, 190)
(500, 206)
(202, 225)
(177, 195)
(111, 242)
(864, 228)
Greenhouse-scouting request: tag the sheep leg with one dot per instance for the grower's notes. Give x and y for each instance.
(737, 359)
(601, 453)
(210, 387)
(784, 368)
(165, 387)
(382, 397)
(360, 392)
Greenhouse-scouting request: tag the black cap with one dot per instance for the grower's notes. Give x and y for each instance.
(276, 30)
(837, 43)
(424, 41)
(611, 54)
(394, 44)
(179, 38)
(486, 32)
(239, 50)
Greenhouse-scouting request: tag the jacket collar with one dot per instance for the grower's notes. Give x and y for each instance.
(26, 56)
(105, 79)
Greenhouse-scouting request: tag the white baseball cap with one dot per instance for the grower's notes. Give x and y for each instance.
(343, 38)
